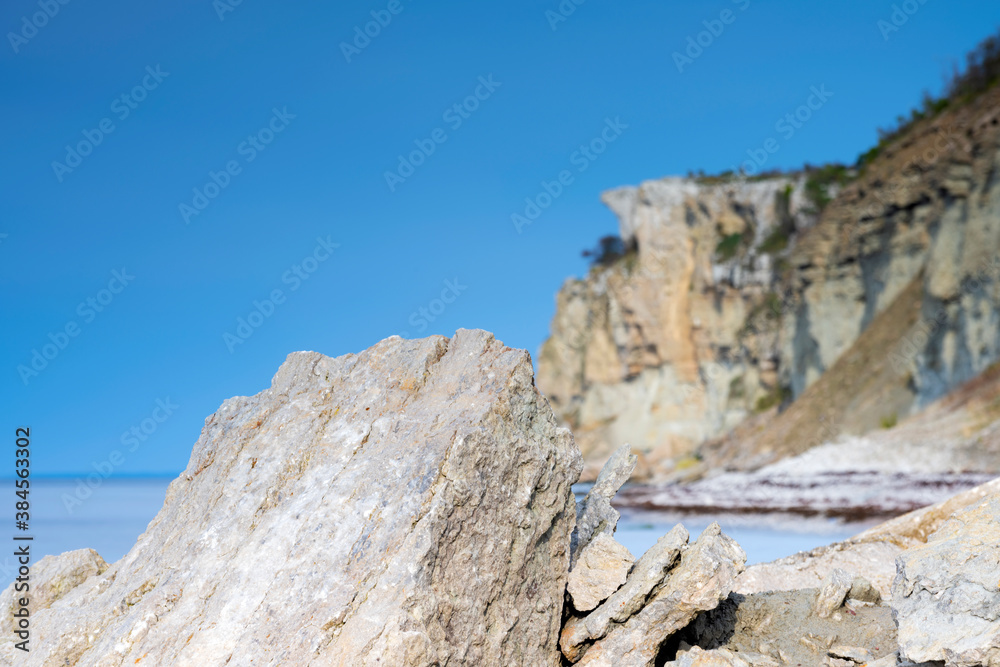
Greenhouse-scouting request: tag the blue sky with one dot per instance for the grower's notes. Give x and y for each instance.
(299, 140)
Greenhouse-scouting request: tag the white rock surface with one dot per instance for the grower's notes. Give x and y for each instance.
(946, 600)
(873, 560)
(409, 505)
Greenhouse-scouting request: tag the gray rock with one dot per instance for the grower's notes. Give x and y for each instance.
(862, 590)
(594, 514)
(409, 505)
(782, 624)
(601, 570)
(945, 598)
(649, 572)
(698, 583)
(833, 592)
(873, 560)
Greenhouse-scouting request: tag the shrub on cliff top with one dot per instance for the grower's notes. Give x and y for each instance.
(609, 250)
(982, 72)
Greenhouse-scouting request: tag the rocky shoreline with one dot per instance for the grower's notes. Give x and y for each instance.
(413, 505)
(848, 495)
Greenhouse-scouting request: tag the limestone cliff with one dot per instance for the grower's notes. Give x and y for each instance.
(731, 302)
(646, 350)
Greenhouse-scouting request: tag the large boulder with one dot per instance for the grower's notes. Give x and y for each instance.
(409, 505)
(945, 597)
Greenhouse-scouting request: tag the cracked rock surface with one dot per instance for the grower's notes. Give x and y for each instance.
(408, 505)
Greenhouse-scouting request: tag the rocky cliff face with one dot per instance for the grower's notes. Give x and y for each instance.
(893, 298)
(647, 350)
(699, 329)
(927, 209)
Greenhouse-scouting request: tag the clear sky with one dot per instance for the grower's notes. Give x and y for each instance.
(212, 153)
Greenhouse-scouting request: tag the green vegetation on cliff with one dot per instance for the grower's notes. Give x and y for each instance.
(982, 71)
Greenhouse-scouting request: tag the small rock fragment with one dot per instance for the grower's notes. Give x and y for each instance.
(722, 657)
(855, 653)
(816, 643)
(833, 593)
(837, 662)
(698, 657)
(601, 570)
(885, 661)
(594, 514)
(862, 590)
